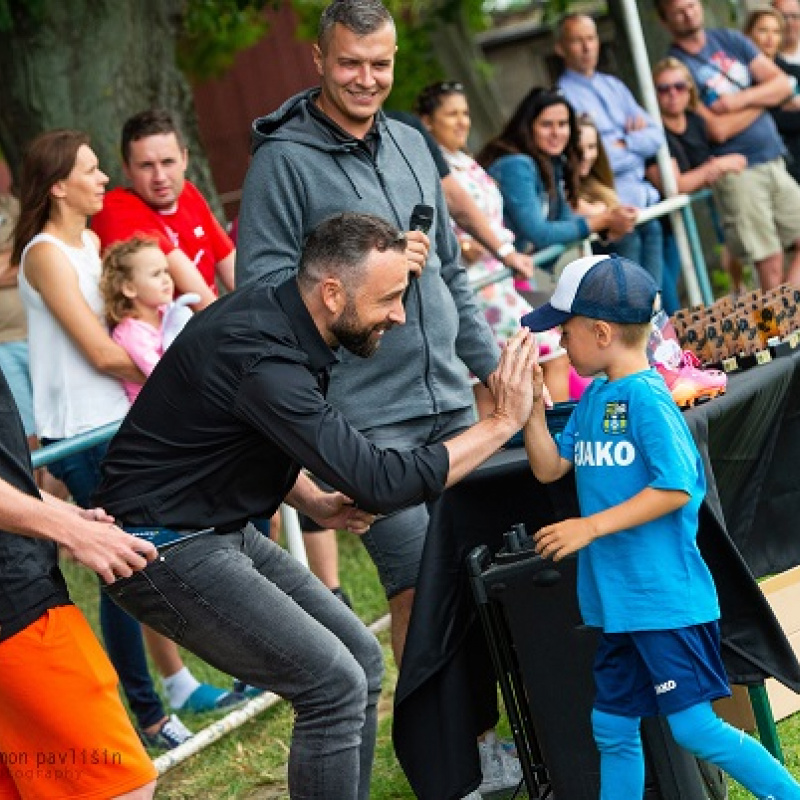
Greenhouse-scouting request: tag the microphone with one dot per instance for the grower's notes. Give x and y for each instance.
(421, 218)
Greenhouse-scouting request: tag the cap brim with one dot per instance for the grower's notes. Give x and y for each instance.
(544, 318)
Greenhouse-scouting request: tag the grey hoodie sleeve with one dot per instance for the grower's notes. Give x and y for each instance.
(475, 343)
(271, 218)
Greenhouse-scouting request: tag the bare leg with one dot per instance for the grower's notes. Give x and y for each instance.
(770, 271)
(400, 607)
(323, 556)
(793, 272)
(275, 526)
(734, 268)
(163, 651)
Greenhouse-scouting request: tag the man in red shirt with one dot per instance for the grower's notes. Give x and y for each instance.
(161, 203)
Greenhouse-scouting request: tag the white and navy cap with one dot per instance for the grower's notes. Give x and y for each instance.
(608, 287)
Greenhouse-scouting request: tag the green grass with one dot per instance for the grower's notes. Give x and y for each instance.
(250, 762)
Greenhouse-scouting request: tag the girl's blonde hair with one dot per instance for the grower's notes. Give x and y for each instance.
(672, 63)
(117, 269)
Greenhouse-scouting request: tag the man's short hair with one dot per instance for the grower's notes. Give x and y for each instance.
(570, 17)
(340, 245)
(152, 122)
(362, 17)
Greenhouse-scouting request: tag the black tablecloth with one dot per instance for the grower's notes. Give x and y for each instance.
(446, 693)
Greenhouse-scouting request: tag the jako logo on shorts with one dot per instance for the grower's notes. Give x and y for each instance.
(667, 686)
(604, 454)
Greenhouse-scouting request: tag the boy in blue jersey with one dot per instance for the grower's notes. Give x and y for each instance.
(641, 578)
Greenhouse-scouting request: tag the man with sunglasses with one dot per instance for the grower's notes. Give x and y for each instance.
(629, 134)
(738, 84)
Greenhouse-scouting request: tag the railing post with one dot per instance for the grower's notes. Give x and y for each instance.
(701, 270)
(765, 722)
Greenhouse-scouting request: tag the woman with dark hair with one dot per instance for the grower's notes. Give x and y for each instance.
(444, 112)
(535, 161)
(76, 367)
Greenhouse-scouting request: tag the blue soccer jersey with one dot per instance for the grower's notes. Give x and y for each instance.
(624, 436)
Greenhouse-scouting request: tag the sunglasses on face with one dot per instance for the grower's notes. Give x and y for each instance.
(444, 87)
(666, 88)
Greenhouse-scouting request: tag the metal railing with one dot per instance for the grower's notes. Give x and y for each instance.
(680, 204)
(83, 441)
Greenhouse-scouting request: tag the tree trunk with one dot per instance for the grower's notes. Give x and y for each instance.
(91, 64)
(455, 47)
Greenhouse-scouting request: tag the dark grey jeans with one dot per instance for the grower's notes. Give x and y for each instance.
(243, 604)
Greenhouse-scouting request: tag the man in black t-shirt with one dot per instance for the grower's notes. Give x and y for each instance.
(49, 657)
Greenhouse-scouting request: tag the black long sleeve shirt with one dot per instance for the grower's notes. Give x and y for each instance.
(233, 411)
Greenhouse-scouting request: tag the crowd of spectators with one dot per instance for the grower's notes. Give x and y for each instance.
(575, 162)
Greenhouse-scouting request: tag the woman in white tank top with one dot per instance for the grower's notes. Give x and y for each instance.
(76, 366)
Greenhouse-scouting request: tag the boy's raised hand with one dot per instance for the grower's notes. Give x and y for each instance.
(541, 394)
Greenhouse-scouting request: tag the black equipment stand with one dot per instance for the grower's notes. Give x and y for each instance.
(543, 654)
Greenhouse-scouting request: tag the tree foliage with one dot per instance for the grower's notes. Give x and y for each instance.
(214, 31)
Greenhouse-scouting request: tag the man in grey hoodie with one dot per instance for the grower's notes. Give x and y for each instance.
(331, 149)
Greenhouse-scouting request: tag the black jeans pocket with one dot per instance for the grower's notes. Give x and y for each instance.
(143, 599)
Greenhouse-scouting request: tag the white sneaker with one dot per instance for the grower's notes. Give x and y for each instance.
(500, 769)
(171, 734)
(476, 795)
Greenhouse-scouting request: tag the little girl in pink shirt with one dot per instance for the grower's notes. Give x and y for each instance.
(137, 289)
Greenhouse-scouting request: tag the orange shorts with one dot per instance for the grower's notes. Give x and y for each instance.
(63, 729)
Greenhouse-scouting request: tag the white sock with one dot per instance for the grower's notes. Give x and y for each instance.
(179, 686)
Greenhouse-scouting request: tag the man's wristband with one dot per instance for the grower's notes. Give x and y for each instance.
(504, 251)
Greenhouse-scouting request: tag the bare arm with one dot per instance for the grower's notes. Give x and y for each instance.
(562, 538)
(770, 88)
(467, 215)
(724, 126)
(100, 546)
(225, 270)
(687, 182)
(471, 219)
(330, 509)
(188, 278)
(618, 221)
(546, 462)
(48, 271)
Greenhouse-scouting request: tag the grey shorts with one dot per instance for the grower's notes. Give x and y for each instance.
(395, 542)
(760, 209)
